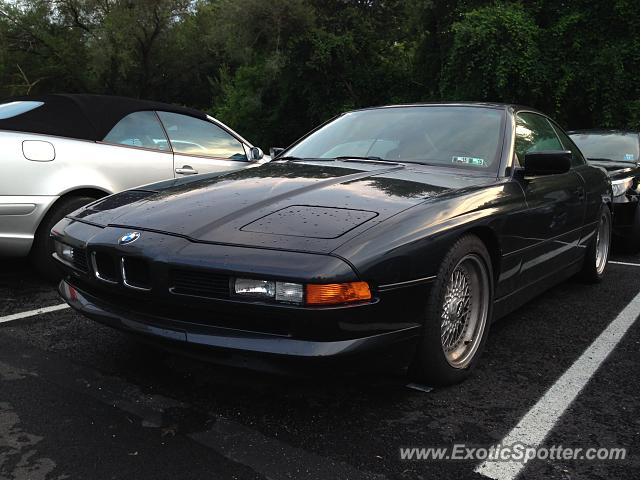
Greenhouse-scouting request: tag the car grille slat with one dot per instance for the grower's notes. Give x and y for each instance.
(201, 284)
(106, 267)
(136, 273)
(80, 259)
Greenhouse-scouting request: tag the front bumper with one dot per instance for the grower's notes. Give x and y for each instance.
(19, 220)
(624, 214)
(393, 348)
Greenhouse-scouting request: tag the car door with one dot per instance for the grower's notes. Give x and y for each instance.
(552, 223)
(201, 146)
(134, 152)
(593, 185)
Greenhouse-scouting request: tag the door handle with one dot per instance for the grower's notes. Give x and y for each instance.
(186, 170)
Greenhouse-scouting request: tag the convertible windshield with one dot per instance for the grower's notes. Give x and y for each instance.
(609, 146)
(453, 136)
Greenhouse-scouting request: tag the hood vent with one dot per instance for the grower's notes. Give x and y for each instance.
(310, 221)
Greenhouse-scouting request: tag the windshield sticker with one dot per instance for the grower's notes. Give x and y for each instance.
(478, 162)
(629, 156)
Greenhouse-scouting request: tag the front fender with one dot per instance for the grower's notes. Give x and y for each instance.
(412, 245)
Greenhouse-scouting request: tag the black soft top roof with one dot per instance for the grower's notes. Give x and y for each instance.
(82, 116)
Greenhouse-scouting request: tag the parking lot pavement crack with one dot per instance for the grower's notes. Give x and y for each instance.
(18, 456)
(10, 373)
(266, 456)
(273, 458)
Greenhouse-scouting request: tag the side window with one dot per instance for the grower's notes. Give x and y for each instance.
(139, 129)
(192, 136)
(577, 158)
(534, 133)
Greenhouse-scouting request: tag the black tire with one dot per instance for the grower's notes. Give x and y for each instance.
(43, 245)
(593, 269)
(431, 365)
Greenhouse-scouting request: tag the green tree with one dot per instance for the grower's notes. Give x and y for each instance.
(494, 56)
(40, 53)
(275, 69)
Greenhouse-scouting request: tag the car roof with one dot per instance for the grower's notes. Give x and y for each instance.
(602, 131)
(498, 105)
(82, 116)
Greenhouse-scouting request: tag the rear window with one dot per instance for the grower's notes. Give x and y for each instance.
(13, 109)
(621, 147)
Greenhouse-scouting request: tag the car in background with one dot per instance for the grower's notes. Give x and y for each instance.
(618, 152)
(61, 152)
(390, 235)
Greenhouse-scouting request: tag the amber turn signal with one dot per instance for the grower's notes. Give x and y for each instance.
(336, 293)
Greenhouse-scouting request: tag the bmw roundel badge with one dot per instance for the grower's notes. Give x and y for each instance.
(129, 238)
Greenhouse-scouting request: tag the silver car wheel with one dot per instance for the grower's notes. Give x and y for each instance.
(603, 243)
(465, 310)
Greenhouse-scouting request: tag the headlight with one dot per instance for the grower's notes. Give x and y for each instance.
(255, 288)
(297, 293)
(270, 290)
(64, 251)
(289, 292)
(620, 187)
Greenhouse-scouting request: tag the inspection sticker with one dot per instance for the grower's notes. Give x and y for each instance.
(478, 162)
(629, 156)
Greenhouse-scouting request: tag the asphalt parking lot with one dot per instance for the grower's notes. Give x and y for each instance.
(79, 400)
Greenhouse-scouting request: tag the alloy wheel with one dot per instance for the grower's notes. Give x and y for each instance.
(603, 243)
(465, 310)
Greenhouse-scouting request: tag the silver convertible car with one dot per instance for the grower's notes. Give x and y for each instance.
(60, 152)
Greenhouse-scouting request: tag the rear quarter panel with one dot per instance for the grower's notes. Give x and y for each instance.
(598, 191)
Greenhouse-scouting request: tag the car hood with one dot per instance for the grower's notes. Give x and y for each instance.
(618, 169)
(304, 206)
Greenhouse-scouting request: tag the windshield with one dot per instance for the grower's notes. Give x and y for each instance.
(453, 136)
(621, 147)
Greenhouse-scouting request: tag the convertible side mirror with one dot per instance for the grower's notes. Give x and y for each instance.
(550, 162)
(256, 154)
(275, 151)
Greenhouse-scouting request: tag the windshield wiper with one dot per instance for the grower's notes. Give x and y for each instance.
(352, 158)
(357, 157)
(298, 159)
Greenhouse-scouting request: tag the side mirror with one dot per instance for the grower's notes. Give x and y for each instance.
(550, 162)
(275, 151)
(256, 154)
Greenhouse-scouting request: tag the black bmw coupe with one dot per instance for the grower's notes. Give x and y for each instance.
(394, 234)
(618, 152)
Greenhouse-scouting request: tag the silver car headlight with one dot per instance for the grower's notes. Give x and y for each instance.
(268, 289)
(620, 187)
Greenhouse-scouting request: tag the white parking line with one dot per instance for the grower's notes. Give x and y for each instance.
(33, 313)
(625, 263)
(540, 420)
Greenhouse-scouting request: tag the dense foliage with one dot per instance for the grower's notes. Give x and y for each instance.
(274, 69)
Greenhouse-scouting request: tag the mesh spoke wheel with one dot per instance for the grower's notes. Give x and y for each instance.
(464, 311)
